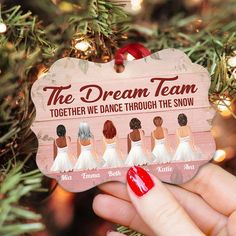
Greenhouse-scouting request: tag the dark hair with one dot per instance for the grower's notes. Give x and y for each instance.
(61, 130)
(135, 123)
(109, 130)
(182, 119)
(157, 121)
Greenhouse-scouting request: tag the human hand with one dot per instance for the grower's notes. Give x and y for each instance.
(204, 205)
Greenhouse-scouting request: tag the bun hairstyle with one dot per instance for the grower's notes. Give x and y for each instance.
(135, 123)
(61, 130)
(84, 131)
(109, 130)
(157, 121)
(182, 119)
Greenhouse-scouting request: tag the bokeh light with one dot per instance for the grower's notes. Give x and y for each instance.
(224, 107)
(136, 5)
(82, 45)
(3, 28)
(219, 155)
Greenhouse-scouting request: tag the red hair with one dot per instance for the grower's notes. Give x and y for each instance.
(109, 130)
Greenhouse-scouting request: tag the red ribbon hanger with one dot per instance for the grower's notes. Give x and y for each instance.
(137, 50)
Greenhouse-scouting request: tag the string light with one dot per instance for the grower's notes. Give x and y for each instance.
(232, 61)
(136, 5)
(3, 28)
(82, 45)
(224, 106)
(66, 6)
(219, 155)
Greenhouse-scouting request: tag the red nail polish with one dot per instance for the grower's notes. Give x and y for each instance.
(139, 180)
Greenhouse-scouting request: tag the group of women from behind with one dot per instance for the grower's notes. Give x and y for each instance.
(112, 155)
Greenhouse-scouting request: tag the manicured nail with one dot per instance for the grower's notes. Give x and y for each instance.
(113, 233)
(139, 180)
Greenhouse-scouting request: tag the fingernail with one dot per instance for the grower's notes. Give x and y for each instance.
(109, 232)
(139, 180)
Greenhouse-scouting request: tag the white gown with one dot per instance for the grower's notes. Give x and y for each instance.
(136, 154)
(111, 156)
(86, 159)
(62, 162)
(160, 151)
(185, 151)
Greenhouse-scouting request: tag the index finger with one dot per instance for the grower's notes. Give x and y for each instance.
(157, 206)
(216, 186)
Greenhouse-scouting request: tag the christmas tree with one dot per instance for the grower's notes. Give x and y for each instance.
(34, 34)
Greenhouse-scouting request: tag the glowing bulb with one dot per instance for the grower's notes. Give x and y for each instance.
(129, 57)
(136, 5)
(82, 45)
(3, 28)
(224, 106)
(66, 6)
(232, 61)
(219, 155)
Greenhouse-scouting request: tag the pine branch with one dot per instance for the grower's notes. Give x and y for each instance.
(103, 24)
(26, 45)
(14, 185)
(22, 48)
(24, 32)
(209, 40)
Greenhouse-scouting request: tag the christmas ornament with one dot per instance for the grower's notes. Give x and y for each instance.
(93, 123)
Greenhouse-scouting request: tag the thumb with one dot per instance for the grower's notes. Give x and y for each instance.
(157, 206)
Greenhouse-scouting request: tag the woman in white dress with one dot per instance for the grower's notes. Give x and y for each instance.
(159, 140)
(112, 156)
(63, 161)
(137, 154)
(87, 157)
(186, 150)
